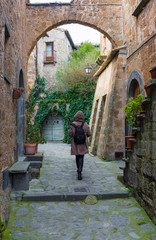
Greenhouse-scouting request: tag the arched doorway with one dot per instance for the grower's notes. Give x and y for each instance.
(20, 119)
(134, 88)
(53, 127)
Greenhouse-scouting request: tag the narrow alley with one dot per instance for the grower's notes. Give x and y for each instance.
(117, 216)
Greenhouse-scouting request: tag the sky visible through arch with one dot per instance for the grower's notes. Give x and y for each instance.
(78, 32)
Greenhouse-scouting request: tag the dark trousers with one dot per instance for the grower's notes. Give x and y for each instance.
(79, 163)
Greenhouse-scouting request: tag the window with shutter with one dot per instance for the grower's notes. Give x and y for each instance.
(50, 51)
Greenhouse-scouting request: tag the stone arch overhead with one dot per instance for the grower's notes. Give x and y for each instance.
(135, 75)
(104, 17)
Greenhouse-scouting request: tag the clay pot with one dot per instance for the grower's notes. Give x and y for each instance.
(17, 92)
(153, 72)
(148, 91)
(128, 143)
(143, 112)
(29, 148)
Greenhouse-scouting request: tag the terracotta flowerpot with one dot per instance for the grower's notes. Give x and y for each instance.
(128, 143)
(143, 112)
(153, 72)
(17, 92)
(29, 149)
(148, 91)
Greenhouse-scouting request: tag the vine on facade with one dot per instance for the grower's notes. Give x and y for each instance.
(66, 103)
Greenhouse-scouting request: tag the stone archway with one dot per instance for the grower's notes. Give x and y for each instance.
(102, 16)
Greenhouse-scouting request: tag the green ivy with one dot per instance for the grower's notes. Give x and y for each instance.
(56, 101)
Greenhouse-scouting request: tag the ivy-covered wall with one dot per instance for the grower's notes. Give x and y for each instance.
(67, 103)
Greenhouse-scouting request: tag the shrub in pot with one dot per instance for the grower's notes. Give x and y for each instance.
(33, 137)
(132, 108)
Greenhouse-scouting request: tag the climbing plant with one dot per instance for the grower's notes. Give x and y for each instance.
(66, 103)
(70, 99)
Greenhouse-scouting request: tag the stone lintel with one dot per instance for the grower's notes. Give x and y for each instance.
(140, 7)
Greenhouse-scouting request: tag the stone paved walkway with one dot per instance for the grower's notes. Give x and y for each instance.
(59, 173)
(115, 219)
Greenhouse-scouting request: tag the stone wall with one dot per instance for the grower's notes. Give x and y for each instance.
(12, 61)
(138, 29)
(142, 160)
(140, 37)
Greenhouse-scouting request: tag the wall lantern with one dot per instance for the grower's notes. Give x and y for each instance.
(88, 69)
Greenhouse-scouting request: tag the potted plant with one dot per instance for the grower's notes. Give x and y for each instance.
(33, 137)
(132, 109)
(17, 92)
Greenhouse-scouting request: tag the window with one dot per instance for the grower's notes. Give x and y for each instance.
(49, 51)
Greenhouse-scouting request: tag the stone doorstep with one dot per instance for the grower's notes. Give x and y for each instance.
(70, 197)
(35, 164)
(36, 157)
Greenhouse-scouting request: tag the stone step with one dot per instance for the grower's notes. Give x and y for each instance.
(69, 197)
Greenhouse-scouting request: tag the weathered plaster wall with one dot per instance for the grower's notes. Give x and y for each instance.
(12, 51)
(108, 140)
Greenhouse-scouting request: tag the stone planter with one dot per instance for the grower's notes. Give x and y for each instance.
(128, 143)
(29, 148)
(17, 92)
(137, 119)
(148, 91)
(153, 72)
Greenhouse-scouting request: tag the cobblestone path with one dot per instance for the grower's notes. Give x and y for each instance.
(113, 219)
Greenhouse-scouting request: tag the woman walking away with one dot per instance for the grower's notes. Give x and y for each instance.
(79, 131)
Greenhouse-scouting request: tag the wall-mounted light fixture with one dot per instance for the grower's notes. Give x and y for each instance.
(88, 69)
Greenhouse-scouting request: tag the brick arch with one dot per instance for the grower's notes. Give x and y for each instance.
(104, 17)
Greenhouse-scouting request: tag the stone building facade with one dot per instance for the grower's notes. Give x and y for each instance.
(107, 120)
(13, 71)
(60, 46)
(121, 75)
(129, 26)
